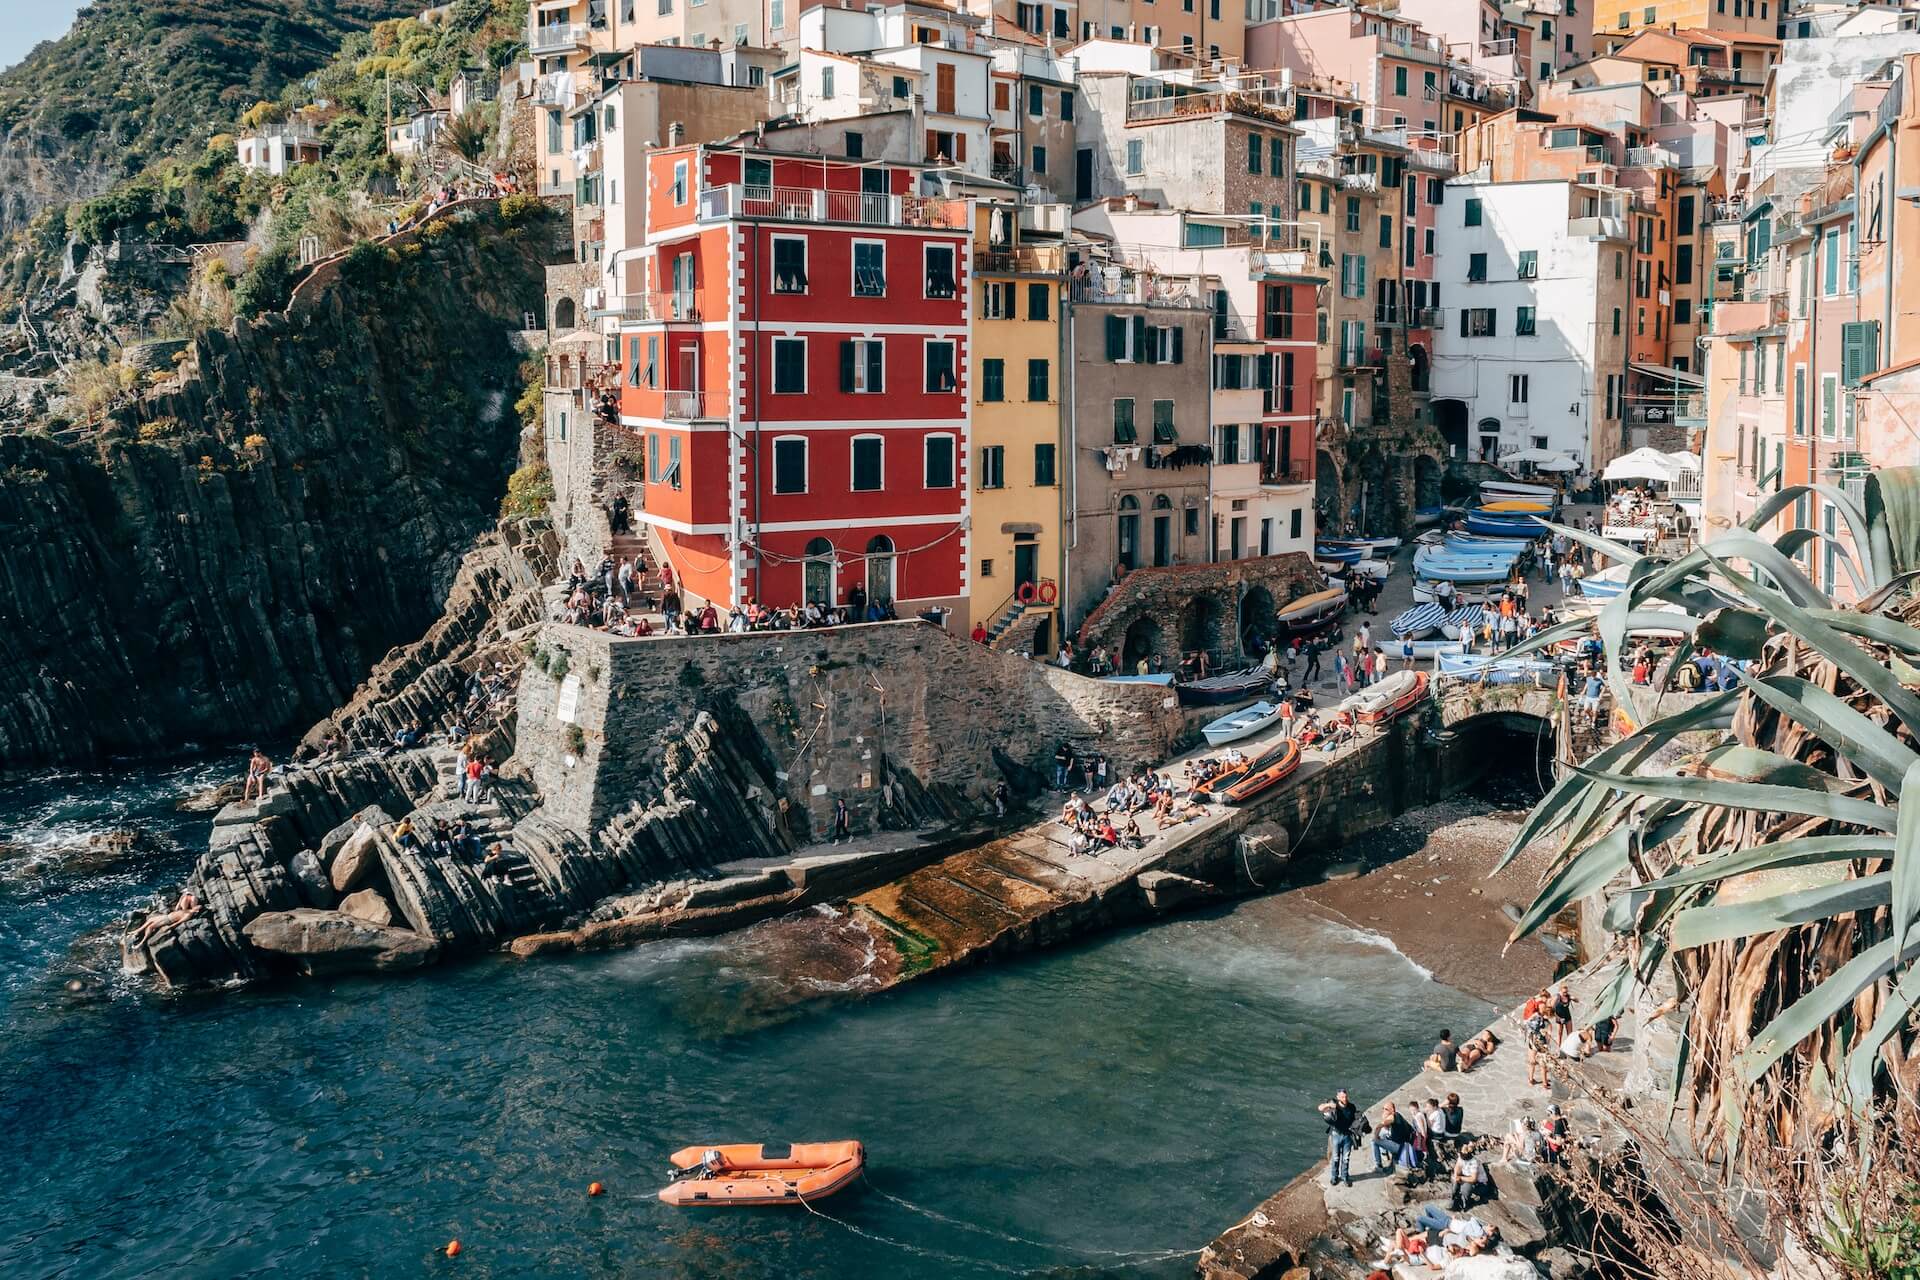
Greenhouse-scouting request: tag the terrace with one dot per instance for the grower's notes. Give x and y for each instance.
(810, 204)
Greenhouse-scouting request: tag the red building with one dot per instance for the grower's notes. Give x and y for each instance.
(798, 371)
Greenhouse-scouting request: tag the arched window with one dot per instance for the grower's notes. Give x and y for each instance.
(880, 570)
(563, 314)
(1162, 531)
(818, 572)
(1127, 548)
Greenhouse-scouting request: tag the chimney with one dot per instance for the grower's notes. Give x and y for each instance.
(676, 134)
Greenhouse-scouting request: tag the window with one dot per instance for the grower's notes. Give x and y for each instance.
(900, 87)
(1476, 266)
(1038, 389)
(1039, 301)
(1472, 213)
(1353, 275)
(1123, 427)
(1120, 340)
(1164, 431)
(1683, 311)
(790, 464)
(939, 454)
(993, 381)
(1683, 216)
(1829, 405)
(1859, 350)
(940, 271)
(869, 269)
(1277, 321)
(1830, 284)
(1036, 101)
(1529, 264)
(1066, 95)
(1277, 156)
(1400, 81)
(1043, 465)
(1353, 213)
(789, 264)
(1800, 400)
(777, 15)
(1226, 447)
(1255, 149)
(862, 366)
(993, 467)
(1616, 322)
(868, 466)
(1682, 264)
(1523, 322)
(996, 299)
(790, 366)
(680, 182)
(1136, 156)
(1039, 159)
(1517, 388)
(1478, 322)
(1386, 231)
(940, 368)
(826, 82)
(1286, 382)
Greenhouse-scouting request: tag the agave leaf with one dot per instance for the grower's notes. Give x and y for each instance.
(1805, 851)
(1906, 864)
(1682, 1058)
(1766, 558)
(1790, 542)
(1810, 1012)
(1864, 1058)
(1613, 993)
(1879, 566)
(1738, 633)
(1879, 754)
(1751, 795)
(1618, 552)
(1702, 926)
(1756, 764)
(1587, 871)
(1554, 808)
(1844, 654)
(1872, 626)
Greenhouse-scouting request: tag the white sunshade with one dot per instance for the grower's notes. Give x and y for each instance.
(1686, 461)
(1530, 455)
(1560, 463)
(1641, 464)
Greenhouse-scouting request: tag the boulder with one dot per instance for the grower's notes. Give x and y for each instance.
(357, 859)
(318, 943)
(310, 879)
(367, 905)
(331, 843)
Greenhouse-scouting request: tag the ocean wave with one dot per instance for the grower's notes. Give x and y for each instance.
(1380, 941)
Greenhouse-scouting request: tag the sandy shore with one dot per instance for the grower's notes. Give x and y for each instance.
(1423, 883)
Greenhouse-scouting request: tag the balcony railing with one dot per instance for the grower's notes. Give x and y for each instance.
(558, 37)
(693, 406)
(1149, 291)
(808, 204)
(1012, 261)
(1290, 473)
(652, 308)
(1649, 158)
(1424, 318)
(1361, 357)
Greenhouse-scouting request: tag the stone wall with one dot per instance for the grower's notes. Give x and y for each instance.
(1183, 607)
(843, 712)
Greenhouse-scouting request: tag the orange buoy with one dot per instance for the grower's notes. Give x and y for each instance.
(453, 1248)
(595, 1189)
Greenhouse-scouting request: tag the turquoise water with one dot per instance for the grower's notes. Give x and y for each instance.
(1135, 1095)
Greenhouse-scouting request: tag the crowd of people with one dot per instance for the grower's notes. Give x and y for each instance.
(615, 598)
(1113, 820)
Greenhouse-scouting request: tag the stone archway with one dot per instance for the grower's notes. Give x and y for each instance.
(563, 315)
(1427, 475)
(1142, 641)
(1257, 620)
(1450, 417)
(1201, 629)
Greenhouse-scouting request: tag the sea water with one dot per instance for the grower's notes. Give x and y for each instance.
(1083, 1111)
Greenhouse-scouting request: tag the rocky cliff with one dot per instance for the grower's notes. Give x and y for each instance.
(227, 558)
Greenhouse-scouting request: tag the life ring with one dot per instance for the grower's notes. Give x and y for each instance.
(1048, 593)
(1026, 593)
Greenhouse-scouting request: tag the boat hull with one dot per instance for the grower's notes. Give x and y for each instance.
(1498, 526)
(756, 1175)
(1408, 687)
(1266, 776)
(1218, 691)
(1241, 724)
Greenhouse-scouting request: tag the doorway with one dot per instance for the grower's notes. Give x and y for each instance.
(817, 572)
(880, 570)
(1083, 175)
(1162, 531)
(1026, 560)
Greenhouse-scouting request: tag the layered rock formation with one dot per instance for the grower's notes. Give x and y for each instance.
(228, 557)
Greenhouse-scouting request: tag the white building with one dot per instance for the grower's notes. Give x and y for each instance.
(276, 148)
(1531, 351)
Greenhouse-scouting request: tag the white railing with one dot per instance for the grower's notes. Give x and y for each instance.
(556, 37)
(693, 406)
(808, 204)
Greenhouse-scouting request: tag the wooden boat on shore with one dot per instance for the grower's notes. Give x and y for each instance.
(1309, 613)
(769, 1174)
(1499, 525)
(1387, 698)
(1236, 725)
(1525, 506)
(1217, 691)
(1266, 772)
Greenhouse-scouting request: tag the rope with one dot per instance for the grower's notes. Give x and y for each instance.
(1125, 1258)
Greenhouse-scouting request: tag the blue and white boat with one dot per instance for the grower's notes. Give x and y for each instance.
(1491, 669)
(1498, 525)
(1164, 678)
(1328, 553)
(1518, 491)
(1427, 517)
(1463, 622)
(1428, 650)
(1482, 544)
(1603, 585)
(1369, 546)
(1241, 723)
(1422, 619)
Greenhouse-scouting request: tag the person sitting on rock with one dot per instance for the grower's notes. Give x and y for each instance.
(403, 835)
(1466, 1179)
(184, 908)
(258, 768)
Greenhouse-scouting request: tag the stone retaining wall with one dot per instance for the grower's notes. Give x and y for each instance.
(845, 712)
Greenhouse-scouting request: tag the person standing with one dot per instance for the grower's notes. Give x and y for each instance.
(1062, 766)
(1341, 1115)
(1313, 662)
(842, 820)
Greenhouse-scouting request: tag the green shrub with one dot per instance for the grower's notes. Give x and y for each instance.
(267, 284)
(529, 491)
(521, 207)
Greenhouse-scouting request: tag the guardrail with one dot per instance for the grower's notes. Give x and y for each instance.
(809, 204)
(693, 406)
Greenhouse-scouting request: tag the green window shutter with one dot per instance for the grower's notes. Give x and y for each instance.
(1799, 402)
(1139, 338)
(1116, 337)
(846, 366)
(1179, 345)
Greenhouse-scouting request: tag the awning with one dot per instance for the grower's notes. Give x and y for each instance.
(1557, 464)
(1642, 464)
(1679, 376)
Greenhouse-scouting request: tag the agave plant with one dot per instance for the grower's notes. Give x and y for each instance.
(1773, 867)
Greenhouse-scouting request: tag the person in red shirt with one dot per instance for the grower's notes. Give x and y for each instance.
(979, 633)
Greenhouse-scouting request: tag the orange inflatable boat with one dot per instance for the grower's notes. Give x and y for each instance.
(772, 1174)
(1268, 771)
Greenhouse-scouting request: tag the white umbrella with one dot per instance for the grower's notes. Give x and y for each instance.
(1558, 463)
(1686, 461)
(1528, 455)
(1641, 464)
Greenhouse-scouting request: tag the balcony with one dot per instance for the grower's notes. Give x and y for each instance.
(1285, 474)
(1424, 318)
(650, 308)
(809, 204)
(1143, 291)
(1279, 262)
(558, 37)
(1022, 261)
(1360, 182)
(1259, 104)
(694, 406)
(1360, 358)
(1650, 158)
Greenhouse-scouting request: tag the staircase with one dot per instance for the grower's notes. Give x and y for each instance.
(1016, 621)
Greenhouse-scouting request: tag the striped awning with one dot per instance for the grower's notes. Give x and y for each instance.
(1470, 616)
(1420, 618)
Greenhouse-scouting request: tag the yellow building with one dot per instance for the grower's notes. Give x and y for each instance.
(1749, 21)
(1018, 463)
